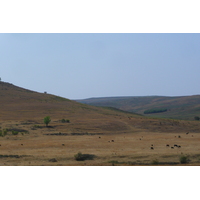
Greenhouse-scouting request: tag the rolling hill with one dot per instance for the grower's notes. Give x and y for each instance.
(182, 107)
(104, 136)
(17, 103)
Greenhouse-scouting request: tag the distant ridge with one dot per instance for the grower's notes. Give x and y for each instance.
(177, 107)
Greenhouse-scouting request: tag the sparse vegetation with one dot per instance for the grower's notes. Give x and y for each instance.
(65, 120)
(3, 132)
(47, 120)
(155, 162)
(81, 157)
(184, 159)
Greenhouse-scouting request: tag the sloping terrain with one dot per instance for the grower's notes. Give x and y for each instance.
(103, 136)
(183, 107)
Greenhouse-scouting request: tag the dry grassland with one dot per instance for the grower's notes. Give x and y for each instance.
(105, 136)
(106, 143)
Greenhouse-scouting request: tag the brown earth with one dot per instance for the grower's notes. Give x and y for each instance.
(105, 137)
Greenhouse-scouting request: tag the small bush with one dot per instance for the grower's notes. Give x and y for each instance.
(15, 132)
(65, 120)
(155, 162)
(37, 126)
(79, 156)
(184, 159)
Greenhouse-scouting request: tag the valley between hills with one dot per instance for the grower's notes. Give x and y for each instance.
(89, 135)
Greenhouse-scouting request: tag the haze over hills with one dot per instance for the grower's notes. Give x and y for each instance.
(181, 107)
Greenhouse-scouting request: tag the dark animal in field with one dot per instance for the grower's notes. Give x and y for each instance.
(172, 147)
(108, 141)
(21, 144)
(152, 148)
(99, 137)
(167, 145)
(63, 144)
(175, 145)
(187, 133)
(112, 140)
(179, 136)
(152, 145)
(179, 146)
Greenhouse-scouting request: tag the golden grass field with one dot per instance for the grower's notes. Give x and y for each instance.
(106, 137)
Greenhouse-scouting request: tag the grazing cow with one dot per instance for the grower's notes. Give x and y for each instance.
(179, 146)
(187, 133)
(21, 144)
(112, 140)
(172, 147)
(99, 137)
(152, 145)
(63, 144)
(140, 138)
(175, 145)
(179, 136)
(167, 145)
(152, 148)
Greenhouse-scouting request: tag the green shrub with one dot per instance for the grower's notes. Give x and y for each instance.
(15, 132)
(47, 120)
(65, 120)
(79, 156)
(184, 159)
(5, 131)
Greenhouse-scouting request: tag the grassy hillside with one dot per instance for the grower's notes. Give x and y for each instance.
(185, 107)
(104, 136)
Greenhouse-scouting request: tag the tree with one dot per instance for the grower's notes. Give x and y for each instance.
(47, 120)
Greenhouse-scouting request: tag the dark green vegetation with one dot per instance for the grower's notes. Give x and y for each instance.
(184, 159)
(158, 110)
(81, 157)
(182, 107)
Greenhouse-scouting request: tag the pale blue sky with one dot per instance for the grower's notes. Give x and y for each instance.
(78, 66)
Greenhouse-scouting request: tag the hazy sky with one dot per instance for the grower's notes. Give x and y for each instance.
(78, 66)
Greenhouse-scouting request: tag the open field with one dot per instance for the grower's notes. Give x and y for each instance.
(58, 143)
(105, 137)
